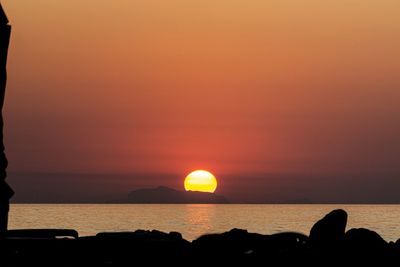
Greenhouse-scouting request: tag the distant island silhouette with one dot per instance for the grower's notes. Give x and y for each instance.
(166, 195)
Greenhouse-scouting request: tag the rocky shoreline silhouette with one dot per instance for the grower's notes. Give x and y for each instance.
(328, 244)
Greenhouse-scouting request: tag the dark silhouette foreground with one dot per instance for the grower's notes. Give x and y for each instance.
(329, 244)
(5, 190)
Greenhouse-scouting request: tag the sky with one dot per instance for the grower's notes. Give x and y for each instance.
(281, 100)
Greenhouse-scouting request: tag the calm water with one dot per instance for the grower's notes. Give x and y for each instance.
(195, 220)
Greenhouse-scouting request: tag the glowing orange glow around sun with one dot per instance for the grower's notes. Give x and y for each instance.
(200, 181)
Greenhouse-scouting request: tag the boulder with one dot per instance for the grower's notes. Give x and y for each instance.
(366, 247)
(364, 239)
(130, 248)
(330, 230)
(238, 246)
(235, 241)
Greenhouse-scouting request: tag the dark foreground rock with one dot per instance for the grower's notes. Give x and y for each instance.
(328, 245)
(330, 230)
(364, 239)
(239, 246)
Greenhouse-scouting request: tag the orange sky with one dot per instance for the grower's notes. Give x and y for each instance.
(232, 86)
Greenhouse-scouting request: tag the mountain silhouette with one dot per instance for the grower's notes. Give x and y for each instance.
(166, 195)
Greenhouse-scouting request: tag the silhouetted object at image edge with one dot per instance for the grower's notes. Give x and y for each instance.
(5, 190)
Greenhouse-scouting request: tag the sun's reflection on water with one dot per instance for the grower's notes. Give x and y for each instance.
(200, 218)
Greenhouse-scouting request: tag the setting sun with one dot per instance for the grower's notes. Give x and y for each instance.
(201, 181)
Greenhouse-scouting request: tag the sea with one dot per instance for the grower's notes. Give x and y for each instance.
(194, 220)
